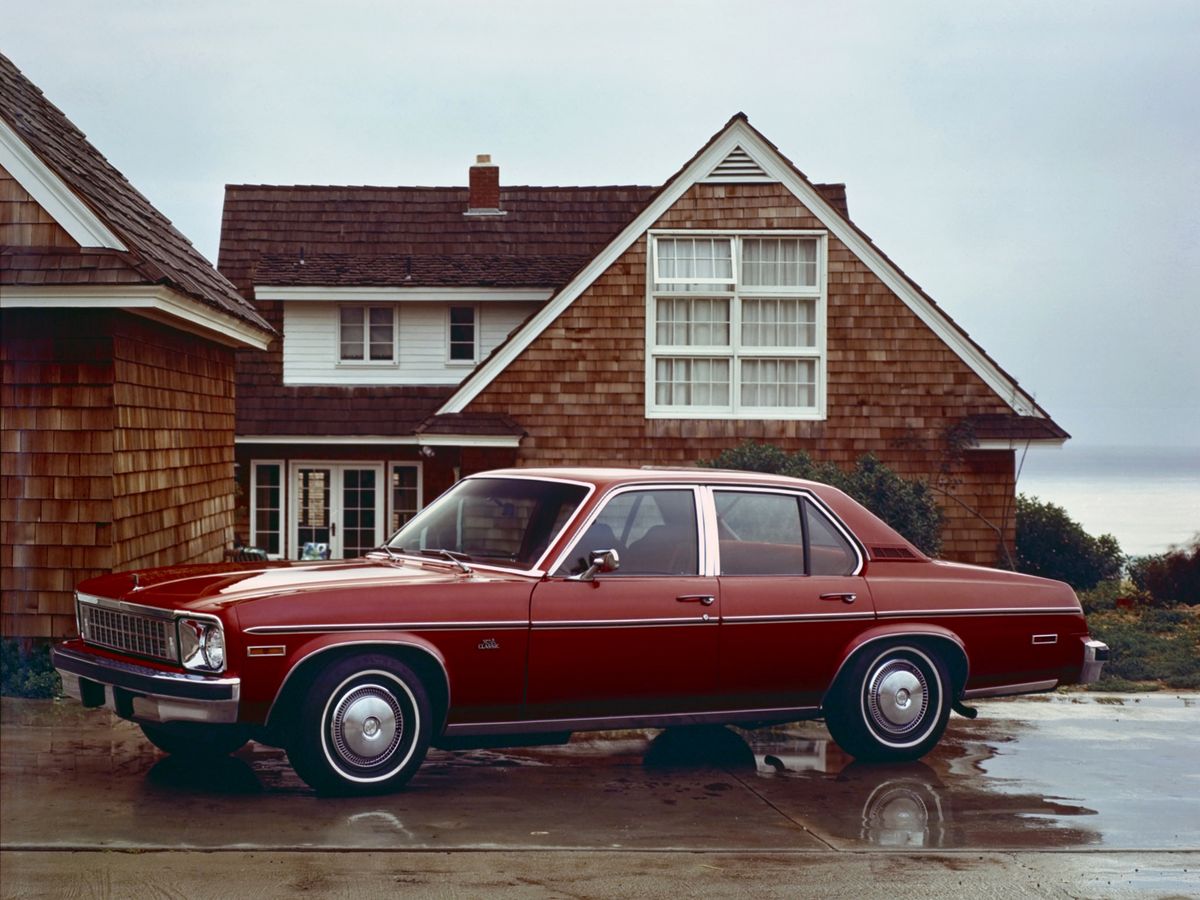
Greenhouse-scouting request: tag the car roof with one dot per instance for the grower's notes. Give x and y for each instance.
(607, 476)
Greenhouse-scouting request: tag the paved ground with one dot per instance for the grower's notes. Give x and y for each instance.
(1063, 795)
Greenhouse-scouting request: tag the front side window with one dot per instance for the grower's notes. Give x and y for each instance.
(367, 334)
(735, 326)
(653, 531)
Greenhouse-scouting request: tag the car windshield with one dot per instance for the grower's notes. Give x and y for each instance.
(502, 521)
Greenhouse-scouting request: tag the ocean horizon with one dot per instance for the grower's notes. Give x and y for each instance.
(1148, 498)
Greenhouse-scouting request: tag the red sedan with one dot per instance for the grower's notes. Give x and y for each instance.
(525, 604)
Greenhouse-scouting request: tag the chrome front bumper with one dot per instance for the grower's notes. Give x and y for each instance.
(1095, 655)
(144, 694)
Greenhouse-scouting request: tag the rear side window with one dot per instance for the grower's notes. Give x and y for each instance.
(762, 533)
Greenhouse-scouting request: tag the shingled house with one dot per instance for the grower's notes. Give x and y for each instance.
(117, 341)
(432, 332)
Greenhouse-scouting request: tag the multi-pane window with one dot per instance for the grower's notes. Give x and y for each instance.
(406, 494)
(736, 326)
(463, 334)
(266, 513)
(367, 334)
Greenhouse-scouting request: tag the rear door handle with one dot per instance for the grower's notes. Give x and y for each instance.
(705, 599)
(844, 597)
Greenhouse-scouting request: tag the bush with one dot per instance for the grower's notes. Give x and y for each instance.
(25, 671)
(1149, 645)
(1171, 577)
(906, 504)
(1052, 544)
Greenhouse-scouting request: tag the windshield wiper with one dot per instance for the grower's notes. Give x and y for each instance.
(386, 548)
(449, 555)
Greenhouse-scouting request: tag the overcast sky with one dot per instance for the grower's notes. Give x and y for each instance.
(1033, 166)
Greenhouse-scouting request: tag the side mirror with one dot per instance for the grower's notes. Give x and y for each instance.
(601, 561)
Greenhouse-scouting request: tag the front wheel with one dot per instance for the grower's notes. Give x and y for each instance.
(892, 705)
(364, 727)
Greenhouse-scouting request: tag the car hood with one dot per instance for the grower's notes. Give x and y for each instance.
(198, 588)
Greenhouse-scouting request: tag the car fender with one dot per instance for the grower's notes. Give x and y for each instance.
(309, 656)
(957, 660)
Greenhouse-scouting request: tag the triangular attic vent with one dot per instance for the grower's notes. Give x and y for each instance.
(738, 166)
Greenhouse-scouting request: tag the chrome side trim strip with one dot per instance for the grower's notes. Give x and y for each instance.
(330, 628)
(796, 617)
(623, 623)
(663, 720)
(977, 611)
(1005, 690)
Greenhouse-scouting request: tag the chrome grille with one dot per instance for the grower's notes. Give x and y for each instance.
(128, 632)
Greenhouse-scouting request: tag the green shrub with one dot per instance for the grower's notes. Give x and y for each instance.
(25, 671)
(906, 504)
(1171, 577)
(1052, 544)
(1147, 644)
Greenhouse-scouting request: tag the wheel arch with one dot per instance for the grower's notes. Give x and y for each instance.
(421, 657)
(948, 646)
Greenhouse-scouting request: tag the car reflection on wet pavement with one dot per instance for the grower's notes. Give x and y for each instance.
(1061, 772)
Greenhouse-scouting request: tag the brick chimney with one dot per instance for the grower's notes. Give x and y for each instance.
(485, 188)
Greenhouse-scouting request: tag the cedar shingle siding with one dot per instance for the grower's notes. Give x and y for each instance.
(117, 454)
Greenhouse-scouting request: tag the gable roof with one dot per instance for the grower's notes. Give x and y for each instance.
(123, 238)
(741, 148)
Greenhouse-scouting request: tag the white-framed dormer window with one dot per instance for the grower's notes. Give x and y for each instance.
(366, 335)
(736, 325)
(462, 335)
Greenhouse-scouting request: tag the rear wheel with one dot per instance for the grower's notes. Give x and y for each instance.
(891, 705)
(364, 727)
(194, 739)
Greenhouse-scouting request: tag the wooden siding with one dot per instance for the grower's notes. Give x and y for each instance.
(117, 453)
(173, 447)
(310, 343)
(56, 461)
(23, 222)
(894, 388)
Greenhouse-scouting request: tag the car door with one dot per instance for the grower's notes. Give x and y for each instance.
(791, 597)
(638, 641)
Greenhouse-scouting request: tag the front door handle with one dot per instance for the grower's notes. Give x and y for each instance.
(705, 599)
(844, 597)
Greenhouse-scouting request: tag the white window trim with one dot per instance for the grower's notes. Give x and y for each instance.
(283, 505)
(366, 363)
(734, 352)
(408, 463)
(336, 467)
(474, 307)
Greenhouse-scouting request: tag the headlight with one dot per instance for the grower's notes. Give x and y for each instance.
(201, 644)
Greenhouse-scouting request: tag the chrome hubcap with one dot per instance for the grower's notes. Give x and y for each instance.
(367, 725)
(897, 696)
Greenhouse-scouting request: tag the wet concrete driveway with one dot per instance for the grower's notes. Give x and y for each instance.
(1092, 773)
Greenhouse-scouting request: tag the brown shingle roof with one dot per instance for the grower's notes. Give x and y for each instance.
(282, 410)
(434, 270)
(158, 253)
(550, 230)
(1018, 429)
(58, 265)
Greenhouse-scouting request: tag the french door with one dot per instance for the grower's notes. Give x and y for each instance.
(337, 509)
